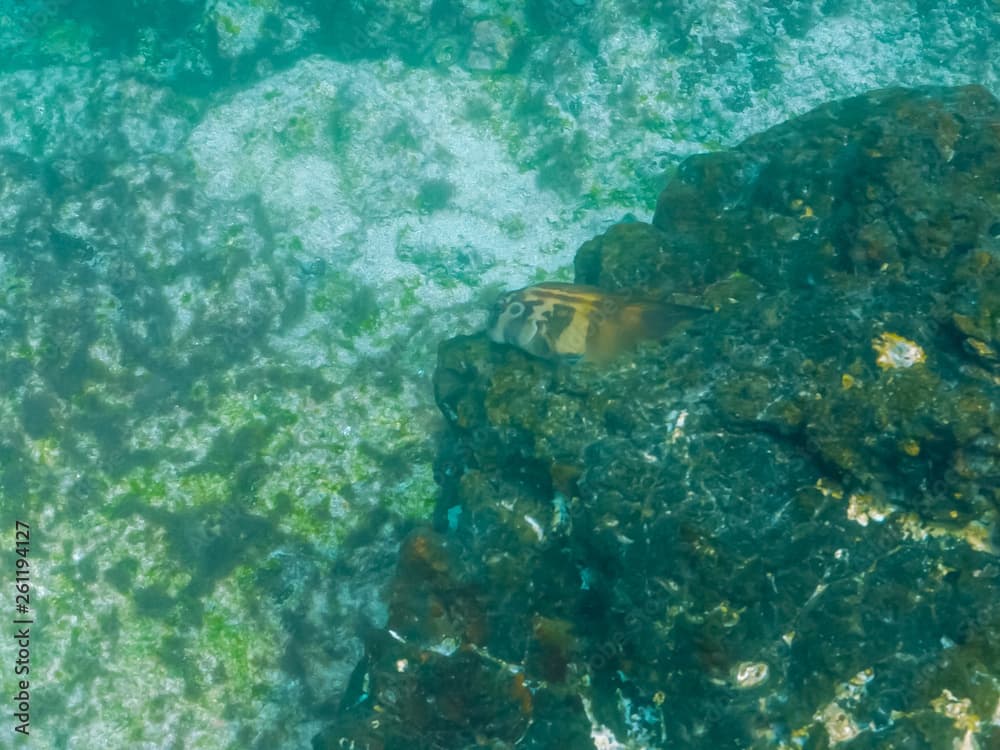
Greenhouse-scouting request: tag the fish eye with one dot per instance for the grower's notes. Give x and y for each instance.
(515, 309)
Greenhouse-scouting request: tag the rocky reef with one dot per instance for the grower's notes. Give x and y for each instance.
(777, 529)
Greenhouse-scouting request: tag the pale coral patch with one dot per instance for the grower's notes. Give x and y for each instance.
(895, 352)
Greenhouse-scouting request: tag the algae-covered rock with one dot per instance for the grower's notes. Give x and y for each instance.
(631, 255)
(775, 530)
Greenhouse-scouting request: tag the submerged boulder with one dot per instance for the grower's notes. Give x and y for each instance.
(776, 529)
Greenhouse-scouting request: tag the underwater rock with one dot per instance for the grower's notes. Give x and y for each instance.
(630, 255)
(777, 530)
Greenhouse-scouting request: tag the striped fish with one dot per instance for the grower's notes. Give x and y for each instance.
(573, 321)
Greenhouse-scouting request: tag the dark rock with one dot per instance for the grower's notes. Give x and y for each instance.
(631, 256)
(778, 525)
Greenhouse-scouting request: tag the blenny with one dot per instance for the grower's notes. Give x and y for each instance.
(574, 321)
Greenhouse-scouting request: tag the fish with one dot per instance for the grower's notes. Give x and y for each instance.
(570, 322)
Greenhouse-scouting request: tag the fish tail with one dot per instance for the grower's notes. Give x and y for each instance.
(656, 320)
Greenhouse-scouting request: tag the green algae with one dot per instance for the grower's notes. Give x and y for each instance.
(239, 652)
(448, 267)
(298, 134)
(353, 305)
(434, 195)
(228, 25)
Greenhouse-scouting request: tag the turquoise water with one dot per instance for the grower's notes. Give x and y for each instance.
(232, 235)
